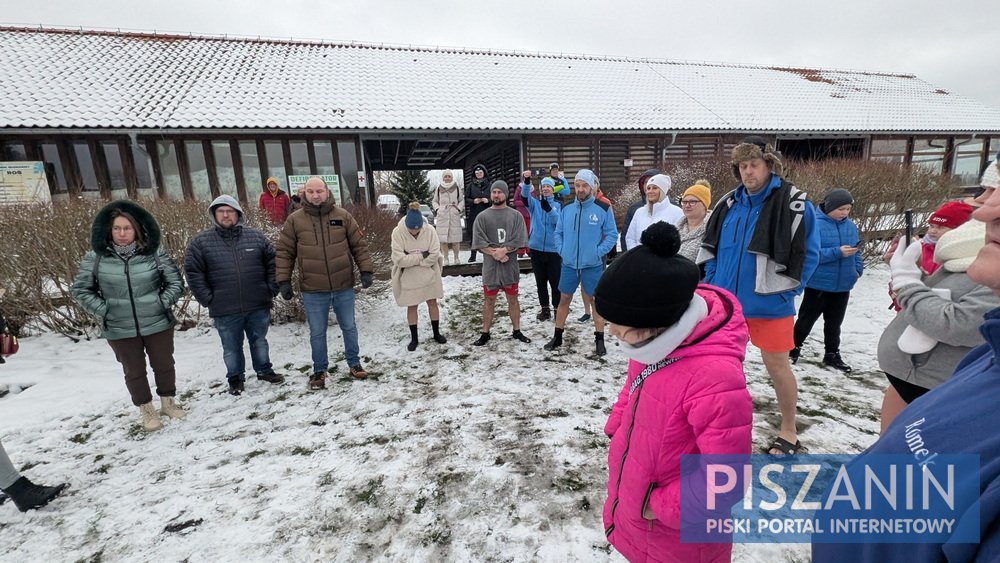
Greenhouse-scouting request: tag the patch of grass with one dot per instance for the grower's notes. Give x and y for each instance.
(369, 493)
(186, 396)
(300, 450)
(283, 396)
(569, 482)
(29, 465)
(98, 457)
(326, 479)
(103, 470)
(439, 533)
(253, 415)
(253, 454)
(81, 438)
(557, 413)
(93, 558)
(584, 503)
(419, 507)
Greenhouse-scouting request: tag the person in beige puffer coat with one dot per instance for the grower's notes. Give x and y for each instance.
(325, 241)
(449, 206)
(416, 271)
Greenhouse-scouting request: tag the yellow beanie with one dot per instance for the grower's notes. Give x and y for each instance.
(702, 193)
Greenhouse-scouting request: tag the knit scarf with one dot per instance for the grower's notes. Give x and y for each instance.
(125, 251)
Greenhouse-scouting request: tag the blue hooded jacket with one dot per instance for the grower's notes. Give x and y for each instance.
(957, 417)
(734, 269)
(836, 273)
(585, 233)
(543, 224)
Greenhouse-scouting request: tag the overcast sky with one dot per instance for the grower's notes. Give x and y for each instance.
(952, 45)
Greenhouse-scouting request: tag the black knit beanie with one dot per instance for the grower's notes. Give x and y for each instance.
(649, 286)
(837, 197)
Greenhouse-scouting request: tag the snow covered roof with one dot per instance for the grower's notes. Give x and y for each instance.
(81, 78)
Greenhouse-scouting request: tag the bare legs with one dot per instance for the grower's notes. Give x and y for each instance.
(786, 390)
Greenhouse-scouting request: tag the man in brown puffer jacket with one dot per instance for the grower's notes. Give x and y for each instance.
(326, 242)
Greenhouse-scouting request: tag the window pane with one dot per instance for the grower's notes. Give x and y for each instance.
(116, 170)
(167, 154)
(143, 166)
(929, 154)
(300, 157)
(53, 167)
(200, 187)
(276, 162)
(86, 166)
(968, 160)
(13, 151)
(224, 169)
(251, 169)
(324, 157)
(348, 171)
(889, 150)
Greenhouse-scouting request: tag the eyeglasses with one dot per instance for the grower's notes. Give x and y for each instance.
(690, 202)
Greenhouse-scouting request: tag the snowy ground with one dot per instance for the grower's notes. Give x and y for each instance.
(449, 453)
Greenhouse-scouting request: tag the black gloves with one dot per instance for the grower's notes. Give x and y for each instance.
(366, 279)
(426, 253)
(285, 289)
(546, 206)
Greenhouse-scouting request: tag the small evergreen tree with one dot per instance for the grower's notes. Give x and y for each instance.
(410, 185)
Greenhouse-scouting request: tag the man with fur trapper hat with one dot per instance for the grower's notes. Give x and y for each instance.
(230, 269)
(761, 244)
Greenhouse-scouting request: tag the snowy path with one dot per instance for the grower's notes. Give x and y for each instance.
(450, 453)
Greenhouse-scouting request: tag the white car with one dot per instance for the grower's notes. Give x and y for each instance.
(388, 202)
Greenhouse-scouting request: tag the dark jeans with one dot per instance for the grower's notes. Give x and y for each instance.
(546, 267)
(832, 306)
(231, 329)
(131, 354)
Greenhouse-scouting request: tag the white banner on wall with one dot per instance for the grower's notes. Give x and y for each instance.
(23, 182)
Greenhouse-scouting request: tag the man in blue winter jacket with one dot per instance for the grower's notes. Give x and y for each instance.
(957, 417)
(585, 233)
(545, 261)
(230, 269)
(761, 244)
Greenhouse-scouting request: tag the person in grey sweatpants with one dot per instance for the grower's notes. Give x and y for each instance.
(25, 494)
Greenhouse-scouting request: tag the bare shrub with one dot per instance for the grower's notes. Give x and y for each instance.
(47, 242)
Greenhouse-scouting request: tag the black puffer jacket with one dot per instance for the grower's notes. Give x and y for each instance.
(231, 271)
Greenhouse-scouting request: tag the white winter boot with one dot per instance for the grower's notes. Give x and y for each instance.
(168, 407)
(150, 418)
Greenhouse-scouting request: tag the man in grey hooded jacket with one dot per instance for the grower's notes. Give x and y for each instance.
(230, 269)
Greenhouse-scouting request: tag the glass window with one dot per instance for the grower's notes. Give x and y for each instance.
(348, 171)
(81, 150)
(143, 166)
(13, 151)
(968, 161)
(224, 169)
(53, 168)
(324, 157)
(116, 170)
(994, 148)
(276, 162)
(889, 150)
(167, 154)
(299, 151)
(929, 154)
(253, 183)
(200, 186)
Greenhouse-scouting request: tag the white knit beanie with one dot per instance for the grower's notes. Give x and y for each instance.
(957, 248)
(661, 181)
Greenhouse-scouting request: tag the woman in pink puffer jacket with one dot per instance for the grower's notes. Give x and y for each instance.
(685, 393)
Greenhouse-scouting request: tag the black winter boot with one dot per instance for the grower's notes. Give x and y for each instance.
(794, 354)
(834, 361)
(556, 340)
(545, 315)
(518, 335)
(600, 350)
(483, 339)
(472, 257)
(413, 339)
(27, 495)
(438, 337)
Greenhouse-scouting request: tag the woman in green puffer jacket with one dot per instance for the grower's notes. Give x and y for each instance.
(130, 283)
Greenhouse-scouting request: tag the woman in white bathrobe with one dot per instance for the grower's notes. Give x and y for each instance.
(416, 271)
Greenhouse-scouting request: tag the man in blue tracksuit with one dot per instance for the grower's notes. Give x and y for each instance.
(585, 233)
(545, 260)
(761, 244)
(957, 417)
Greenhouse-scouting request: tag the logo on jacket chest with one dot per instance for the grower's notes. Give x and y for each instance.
(336, 222)
(593, 219)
